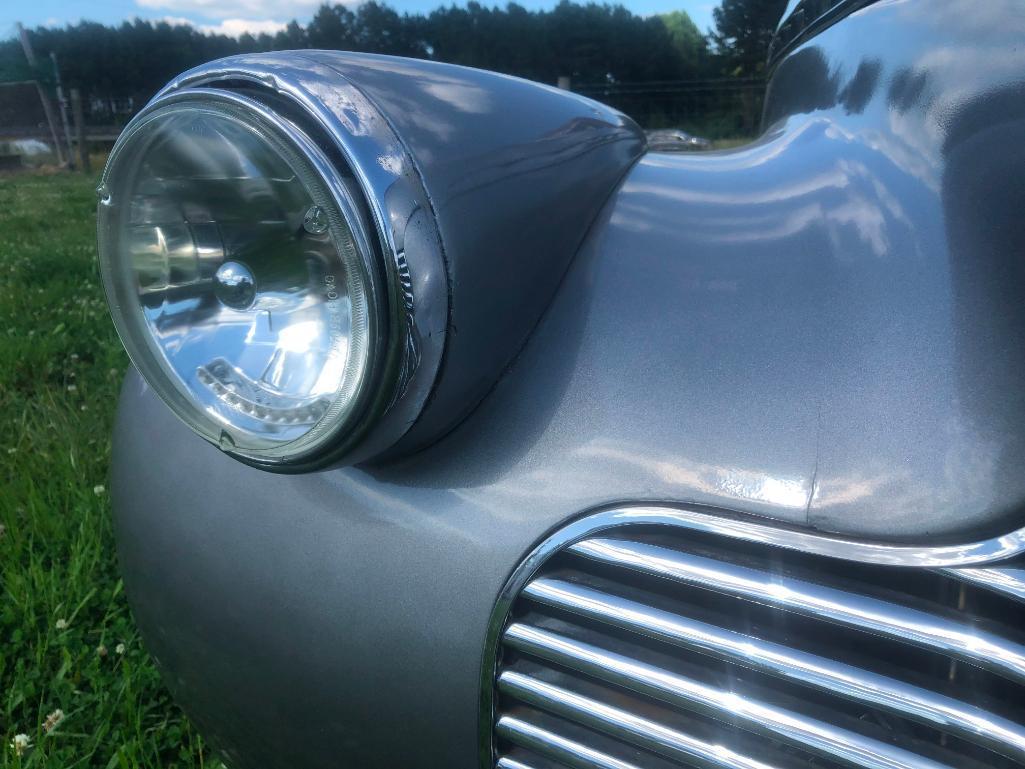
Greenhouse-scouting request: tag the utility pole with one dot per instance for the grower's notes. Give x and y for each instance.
(64, 110)
(44, 98)
(77, 114)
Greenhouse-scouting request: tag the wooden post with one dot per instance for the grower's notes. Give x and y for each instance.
(77, 114)
(63, 103)
(26, 46)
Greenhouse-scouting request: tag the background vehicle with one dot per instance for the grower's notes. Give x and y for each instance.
(675, 140)
(655, 459)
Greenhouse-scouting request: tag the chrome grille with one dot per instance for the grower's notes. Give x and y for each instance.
(655, 646)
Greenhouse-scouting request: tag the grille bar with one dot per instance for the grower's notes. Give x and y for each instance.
(977, 647)
(829, 740)
(511, 763)
(623, 725)
(553, 746)
(1009, 581)
(898, 697)
(663, 639)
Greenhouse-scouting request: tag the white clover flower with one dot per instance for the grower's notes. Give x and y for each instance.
(53, 720)
(62, 624)
(98, 489)
(101, 650)
(72, 388)
(21, 743)
(119, 649)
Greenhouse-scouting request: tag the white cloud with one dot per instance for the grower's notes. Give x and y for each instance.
(237, 27)
(230, 27)
(221, 10)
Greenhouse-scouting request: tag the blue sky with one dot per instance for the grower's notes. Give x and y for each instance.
(235, 16)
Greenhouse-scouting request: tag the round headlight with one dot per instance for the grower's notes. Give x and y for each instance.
(239, 274)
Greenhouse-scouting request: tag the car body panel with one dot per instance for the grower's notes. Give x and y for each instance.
(823, 329)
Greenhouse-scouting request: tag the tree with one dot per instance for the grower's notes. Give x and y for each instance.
(331, 28)
(608, 51)
(743, 31)
(691, 46)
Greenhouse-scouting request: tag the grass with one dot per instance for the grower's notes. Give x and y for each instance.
(67, 640)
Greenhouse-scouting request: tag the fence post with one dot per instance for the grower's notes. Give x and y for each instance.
(30, 56)
(63, 104)
(83, 148)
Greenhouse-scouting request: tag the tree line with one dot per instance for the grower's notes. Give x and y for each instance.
(590, 43)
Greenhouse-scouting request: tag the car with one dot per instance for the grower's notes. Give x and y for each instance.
(466, 431)
(675, 140)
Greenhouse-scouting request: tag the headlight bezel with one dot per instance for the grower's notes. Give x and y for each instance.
(352, 411)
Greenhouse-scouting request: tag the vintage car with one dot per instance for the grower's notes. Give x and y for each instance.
(464, 431)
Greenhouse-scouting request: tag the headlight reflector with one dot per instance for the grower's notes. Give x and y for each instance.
(239, 275)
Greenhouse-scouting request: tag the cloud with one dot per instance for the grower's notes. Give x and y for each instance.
(230, 27)
(238, 27)
(223, 10)
(176, 21)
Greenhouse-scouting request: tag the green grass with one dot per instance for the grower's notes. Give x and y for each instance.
(67, 640)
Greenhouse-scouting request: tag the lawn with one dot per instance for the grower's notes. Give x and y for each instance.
(73, 675)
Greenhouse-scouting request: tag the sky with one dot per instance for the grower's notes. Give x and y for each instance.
(236, 16)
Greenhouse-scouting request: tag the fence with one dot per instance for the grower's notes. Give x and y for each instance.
(716, 109)
(21, 112)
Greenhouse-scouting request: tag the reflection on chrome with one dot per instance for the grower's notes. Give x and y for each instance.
(979, 552)
(1009, 581)
(934, 632)
(775, 659)
(827, 739)
(622, 724)
(552, 746)
(643, 622)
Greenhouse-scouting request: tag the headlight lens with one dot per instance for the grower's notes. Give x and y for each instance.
(238, 276)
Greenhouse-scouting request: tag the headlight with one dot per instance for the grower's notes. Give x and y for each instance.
(240, 275)
(323, 257)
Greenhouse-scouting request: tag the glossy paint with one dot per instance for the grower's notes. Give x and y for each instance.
(824, 329)
(516, 174)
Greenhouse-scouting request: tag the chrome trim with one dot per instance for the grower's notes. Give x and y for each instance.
(785, 41)
(903, 699)
(980, 648)
(723, 524)
(621, 724)
(510, 763)
(1009, 581)
(150, 359)
(551, 745)
(798, 730)
(417, 282)
(726, 524)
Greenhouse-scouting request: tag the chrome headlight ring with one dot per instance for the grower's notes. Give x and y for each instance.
(371, 200)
